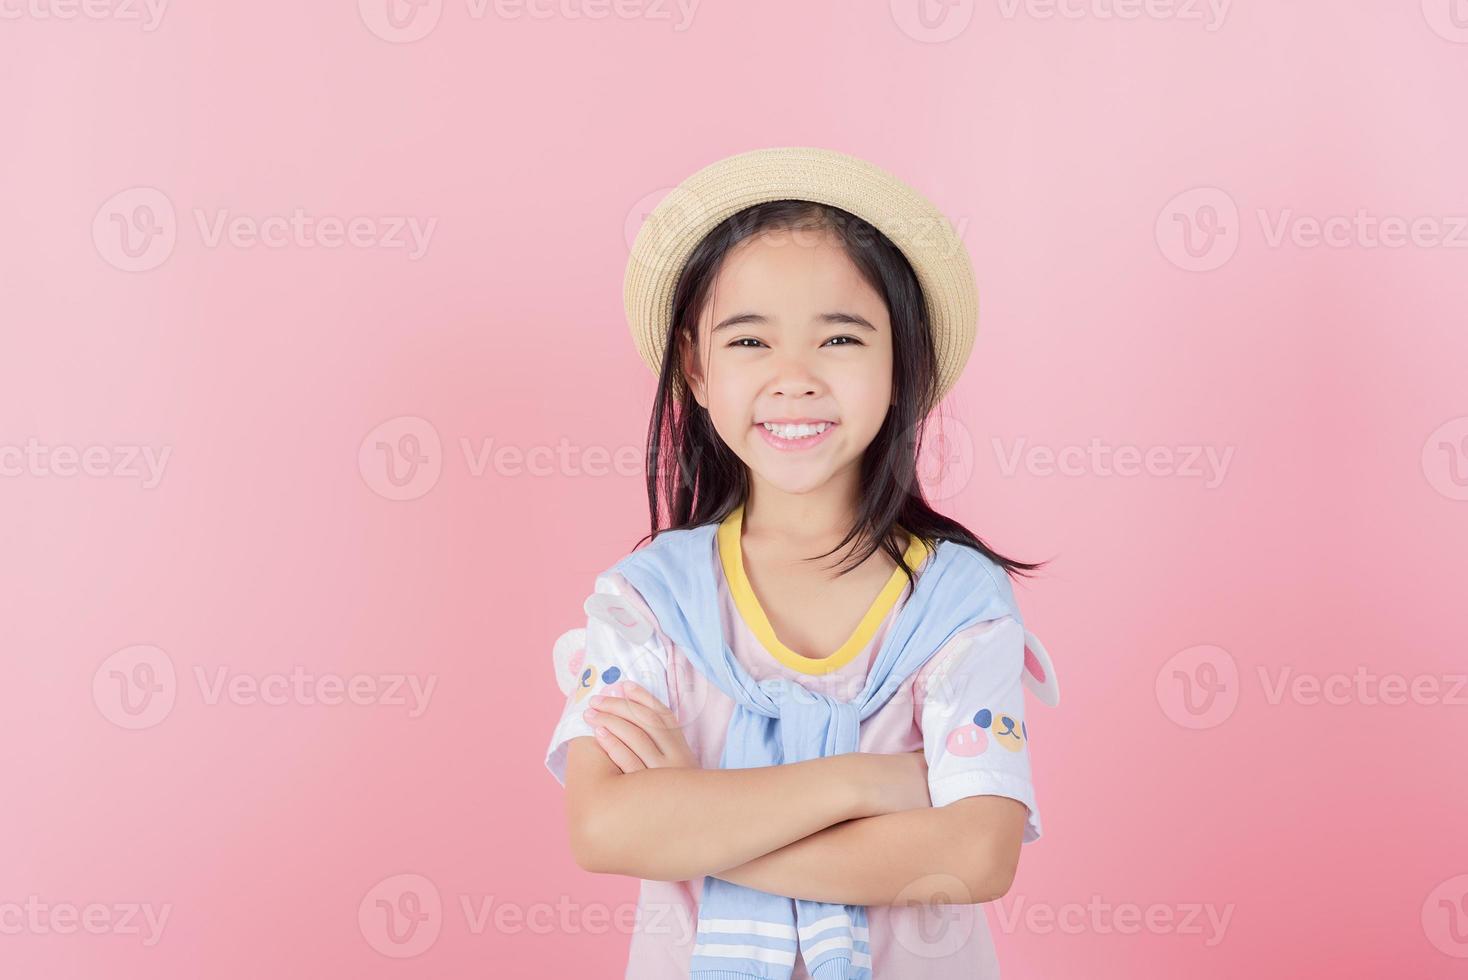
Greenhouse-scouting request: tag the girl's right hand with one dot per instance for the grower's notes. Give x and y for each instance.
(637, 731)
(897, 780)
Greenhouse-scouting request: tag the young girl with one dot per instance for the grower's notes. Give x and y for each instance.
(818, 768)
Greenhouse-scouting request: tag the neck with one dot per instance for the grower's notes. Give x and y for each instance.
(816, 520)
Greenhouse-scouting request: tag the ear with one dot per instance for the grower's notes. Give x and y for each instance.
(692, 372)
(569, 656)
(1039, 675)
(619, 615)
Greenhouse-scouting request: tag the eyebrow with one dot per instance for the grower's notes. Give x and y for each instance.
(838, 317)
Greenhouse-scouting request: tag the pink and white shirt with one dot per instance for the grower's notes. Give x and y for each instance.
(964, 708)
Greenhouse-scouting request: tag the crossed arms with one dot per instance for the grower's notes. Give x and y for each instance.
(856, 828)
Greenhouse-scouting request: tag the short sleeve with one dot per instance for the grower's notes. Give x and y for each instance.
(972, 718)
(622, 642)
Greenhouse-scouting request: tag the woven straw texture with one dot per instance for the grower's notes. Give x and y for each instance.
(693, 208)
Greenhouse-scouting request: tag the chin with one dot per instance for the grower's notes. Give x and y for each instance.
(794, 483)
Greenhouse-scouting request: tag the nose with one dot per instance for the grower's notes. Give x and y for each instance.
(793, 376)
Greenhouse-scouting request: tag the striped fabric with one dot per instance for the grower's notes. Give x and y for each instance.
(744, 932)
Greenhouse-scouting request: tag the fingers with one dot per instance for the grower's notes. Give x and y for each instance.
(662, 714)
(623, 757)
(620, 717)
(636, 705)
(661, 724)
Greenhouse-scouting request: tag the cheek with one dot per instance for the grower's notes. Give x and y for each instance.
(865, 397)
(729, 413)
(732, 393)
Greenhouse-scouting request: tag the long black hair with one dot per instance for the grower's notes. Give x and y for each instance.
(695, 477)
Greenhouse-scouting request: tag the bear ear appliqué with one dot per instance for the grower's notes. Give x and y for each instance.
(1039, 675)
(620, 615)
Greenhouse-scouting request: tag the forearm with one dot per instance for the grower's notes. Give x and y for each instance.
(935, 855)
(678, 823)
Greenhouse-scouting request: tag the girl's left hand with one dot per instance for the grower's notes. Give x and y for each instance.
(640, 732)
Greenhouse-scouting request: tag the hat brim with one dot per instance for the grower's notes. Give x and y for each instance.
(696, 206)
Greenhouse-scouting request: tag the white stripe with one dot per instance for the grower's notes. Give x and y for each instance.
(821, 925)
(825, 946)
(747, 927)
(784, 957)
(831, 922)
(858, 959)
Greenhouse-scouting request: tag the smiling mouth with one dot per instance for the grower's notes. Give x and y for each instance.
(787, 437)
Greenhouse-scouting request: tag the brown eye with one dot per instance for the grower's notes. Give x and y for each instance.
(740, 342)
(845, 336)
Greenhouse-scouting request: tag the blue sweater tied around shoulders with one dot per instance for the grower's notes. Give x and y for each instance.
(744, 932)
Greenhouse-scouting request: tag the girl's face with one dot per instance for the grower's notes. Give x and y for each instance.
(792, 334)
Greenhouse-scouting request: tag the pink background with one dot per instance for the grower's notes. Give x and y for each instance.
(1111, 310)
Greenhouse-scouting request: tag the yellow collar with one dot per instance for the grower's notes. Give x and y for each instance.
(732, 557)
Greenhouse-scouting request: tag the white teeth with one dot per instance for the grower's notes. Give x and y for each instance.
(796, 431)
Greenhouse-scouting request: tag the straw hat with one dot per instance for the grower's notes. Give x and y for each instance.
(693, 208)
